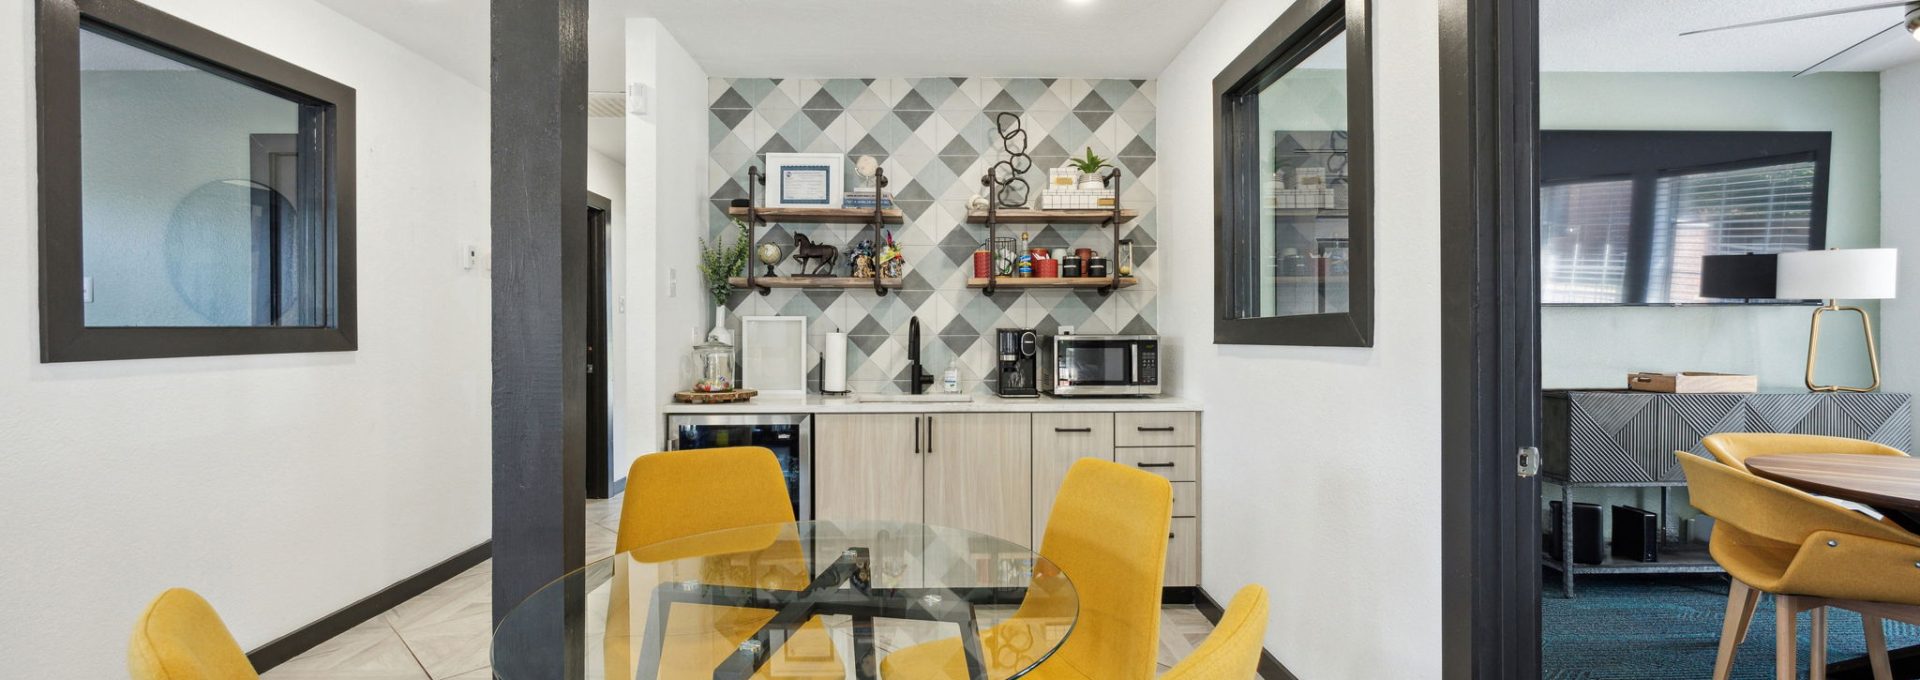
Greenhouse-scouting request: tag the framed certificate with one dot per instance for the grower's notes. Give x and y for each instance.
(805, 180)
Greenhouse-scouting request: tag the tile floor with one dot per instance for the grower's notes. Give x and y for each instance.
(443, 634)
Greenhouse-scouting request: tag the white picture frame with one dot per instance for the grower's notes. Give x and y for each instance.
(773, 354)
(806, 180)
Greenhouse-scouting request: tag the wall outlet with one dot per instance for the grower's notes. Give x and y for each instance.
(673, 282)
(1066, 330)
(469, 256)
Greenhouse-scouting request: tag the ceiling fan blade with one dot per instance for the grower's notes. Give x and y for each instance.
(1810, 15)
(1823, 62)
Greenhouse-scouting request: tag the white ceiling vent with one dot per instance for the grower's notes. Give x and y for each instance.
(601, 104)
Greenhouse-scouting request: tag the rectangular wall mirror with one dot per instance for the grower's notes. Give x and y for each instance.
(1294, 235)
(196, 193)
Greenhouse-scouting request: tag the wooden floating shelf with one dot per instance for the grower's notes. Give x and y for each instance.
(1031, 216)
(821, 215)
(1056, 283)
(812, 282)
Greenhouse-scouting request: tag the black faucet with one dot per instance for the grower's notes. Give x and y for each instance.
(917, 376)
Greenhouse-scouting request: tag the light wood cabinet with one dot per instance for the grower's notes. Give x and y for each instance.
(1183, 552)
(1176, 463)
(1059, 439)
(868, 466)
(1186, 499)
(979, 467)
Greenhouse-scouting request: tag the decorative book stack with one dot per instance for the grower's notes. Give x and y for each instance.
(1062, 193)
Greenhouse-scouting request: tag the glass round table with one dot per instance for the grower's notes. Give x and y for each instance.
(815, 600)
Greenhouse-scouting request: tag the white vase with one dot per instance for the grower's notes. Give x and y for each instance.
(720, 332)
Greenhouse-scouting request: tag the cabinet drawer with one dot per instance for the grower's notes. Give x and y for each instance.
(1073, 435)
(1183, 552)
(1176, 463)
(1157, 429)
(1186, 499)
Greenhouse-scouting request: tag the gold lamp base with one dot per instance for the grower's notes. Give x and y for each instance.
(1813, 349)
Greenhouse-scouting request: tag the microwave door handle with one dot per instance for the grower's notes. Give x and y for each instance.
(1133, 367)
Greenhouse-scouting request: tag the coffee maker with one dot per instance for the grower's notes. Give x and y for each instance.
(1018, 362)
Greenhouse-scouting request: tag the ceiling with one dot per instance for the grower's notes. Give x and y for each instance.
(1644, 35)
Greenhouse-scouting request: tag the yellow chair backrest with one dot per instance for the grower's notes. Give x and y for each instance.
(180, 637)
(1108, 531)
(1232, 650)
(1734, 448)
(683, 493)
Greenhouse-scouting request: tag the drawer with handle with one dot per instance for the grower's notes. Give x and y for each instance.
(1176, 463)
(1183, 552)
(1073, 435)
(1186, 499)
(1157, 429)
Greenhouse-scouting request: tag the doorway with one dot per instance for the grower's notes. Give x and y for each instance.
(600, 472)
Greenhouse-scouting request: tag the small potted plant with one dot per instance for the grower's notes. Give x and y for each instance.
(718, 262)
(1090, 166)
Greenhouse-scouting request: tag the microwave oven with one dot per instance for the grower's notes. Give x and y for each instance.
(1100, 365)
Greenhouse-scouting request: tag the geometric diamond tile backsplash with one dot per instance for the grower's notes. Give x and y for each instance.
(935, 138)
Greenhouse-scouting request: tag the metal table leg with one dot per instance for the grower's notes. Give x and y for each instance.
(1566, 540)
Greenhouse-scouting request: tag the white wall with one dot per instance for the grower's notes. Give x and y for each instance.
(1321, 479)
(1900, 223)
(282, 487)
(608, 178)
(1598, 346)
(667, 210)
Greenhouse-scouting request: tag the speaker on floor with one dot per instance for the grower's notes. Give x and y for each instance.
(1589, 545)
(1636, 534)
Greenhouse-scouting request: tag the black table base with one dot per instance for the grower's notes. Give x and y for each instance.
(825, 596)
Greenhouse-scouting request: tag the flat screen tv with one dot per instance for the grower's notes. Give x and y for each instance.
(1631, 217)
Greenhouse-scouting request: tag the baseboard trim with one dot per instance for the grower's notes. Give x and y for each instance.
(311, 635)
(1270, 667)
(1177, 595)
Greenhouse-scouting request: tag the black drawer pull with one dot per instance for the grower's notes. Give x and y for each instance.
(1154, 464)
(1169, 535)
(1073, 429)
(1156, 429)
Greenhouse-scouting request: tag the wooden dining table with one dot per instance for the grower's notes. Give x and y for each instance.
(1888, 484)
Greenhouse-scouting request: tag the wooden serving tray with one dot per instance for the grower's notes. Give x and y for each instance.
(1692, 382)
(691, 397)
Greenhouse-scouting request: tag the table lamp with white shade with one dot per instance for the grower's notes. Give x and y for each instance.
(1834, 275)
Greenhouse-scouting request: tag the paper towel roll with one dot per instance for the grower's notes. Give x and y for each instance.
(833, 363)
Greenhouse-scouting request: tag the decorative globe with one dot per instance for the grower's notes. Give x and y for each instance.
(769, 254)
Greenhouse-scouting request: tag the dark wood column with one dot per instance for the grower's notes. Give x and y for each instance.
(539, 119)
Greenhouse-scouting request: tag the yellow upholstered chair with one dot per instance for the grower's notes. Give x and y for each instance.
(1232, 650)
(1734, 448)
(1808, 553)
(180, 637)
(677, 495)
(1108, 532)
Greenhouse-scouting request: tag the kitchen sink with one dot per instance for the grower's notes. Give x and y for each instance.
(913, 398)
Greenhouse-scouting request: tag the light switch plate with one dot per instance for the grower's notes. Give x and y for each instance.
(86, 289)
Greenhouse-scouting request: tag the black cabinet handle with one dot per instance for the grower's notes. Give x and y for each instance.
(1156, 429)
(1169, 535)
(916, 434)
(929, 434)
(1146, 465)
(1072, 429)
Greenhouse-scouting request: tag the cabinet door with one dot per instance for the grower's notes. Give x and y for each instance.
(1059, 439)
(867, 466)
(979, 473)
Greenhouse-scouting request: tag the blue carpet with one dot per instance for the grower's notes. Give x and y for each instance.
(1668, 628)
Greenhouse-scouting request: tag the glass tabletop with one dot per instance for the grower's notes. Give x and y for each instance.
(815, 600)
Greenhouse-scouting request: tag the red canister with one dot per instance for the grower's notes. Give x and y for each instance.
(982, 264)
(1046, 269)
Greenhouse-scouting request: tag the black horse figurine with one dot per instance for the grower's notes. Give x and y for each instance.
(822, 257)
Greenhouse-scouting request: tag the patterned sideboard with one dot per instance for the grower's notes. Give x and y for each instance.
(1623, 437)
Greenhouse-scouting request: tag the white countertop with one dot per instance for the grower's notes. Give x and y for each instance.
(814, 403)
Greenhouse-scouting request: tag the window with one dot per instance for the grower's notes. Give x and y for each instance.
(1627, 217)
(1294, 237)
(196, 194)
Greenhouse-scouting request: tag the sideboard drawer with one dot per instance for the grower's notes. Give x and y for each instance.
(1157, 429)
(1176, 463)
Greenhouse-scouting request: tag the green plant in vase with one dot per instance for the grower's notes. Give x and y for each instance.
(720, 261)
(1090, 166)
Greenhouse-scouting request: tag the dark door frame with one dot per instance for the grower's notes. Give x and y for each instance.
(1490, 366)
(600, 472)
